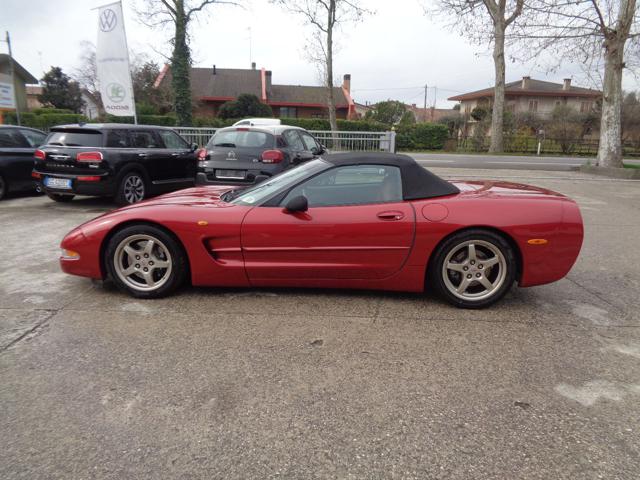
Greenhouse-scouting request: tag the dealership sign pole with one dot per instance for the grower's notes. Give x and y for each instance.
(112, 58)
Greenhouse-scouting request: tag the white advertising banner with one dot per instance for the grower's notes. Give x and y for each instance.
(112, 58)
(7, 98)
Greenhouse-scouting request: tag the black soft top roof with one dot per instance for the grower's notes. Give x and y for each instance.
(417, 182)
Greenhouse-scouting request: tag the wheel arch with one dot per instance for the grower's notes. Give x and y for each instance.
(129, 223)
(510, 240)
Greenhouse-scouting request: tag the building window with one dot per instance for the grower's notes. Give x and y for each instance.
(585, 107)
(533, 105)
(288, 112)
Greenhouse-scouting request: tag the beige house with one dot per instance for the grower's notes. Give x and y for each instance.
(534, 96)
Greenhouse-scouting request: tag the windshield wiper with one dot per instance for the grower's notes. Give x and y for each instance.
(232, 145)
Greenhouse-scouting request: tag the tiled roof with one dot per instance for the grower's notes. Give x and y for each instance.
(534, 87)
(301, 94)
(226, 83)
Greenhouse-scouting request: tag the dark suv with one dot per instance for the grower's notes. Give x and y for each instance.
(244, 155)
(126, 162)
(17, 145)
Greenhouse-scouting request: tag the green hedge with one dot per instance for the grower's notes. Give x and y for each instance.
(343, 125)
(43, 121)
(422, 136)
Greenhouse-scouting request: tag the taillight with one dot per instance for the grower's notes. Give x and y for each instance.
(89, 157)
(40, 155)
(202, 154)
(272, 156)
(36, 175)
(88, 179)
(242, 129)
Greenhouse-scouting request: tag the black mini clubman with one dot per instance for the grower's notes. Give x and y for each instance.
(126, 162)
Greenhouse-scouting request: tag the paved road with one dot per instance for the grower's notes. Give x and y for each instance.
(459, 160)
(244, 384)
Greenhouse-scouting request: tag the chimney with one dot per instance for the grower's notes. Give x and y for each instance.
(413, 105)
(253, 65)
(268, 82)
(214, 70)
(346, 82)
(567, 84)
(525, 83)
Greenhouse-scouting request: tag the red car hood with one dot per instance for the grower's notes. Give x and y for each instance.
(496, 188)
(197, 196)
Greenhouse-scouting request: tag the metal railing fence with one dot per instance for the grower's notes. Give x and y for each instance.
(341, 141)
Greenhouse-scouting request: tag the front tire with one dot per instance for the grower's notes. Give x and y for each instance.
(131, 189)
(56, 197)
(145, 261)
(473, 269)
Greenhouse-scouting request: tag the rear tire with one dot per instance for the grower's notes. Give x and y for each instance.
(145, 261)
(56, 197)
(131, 189)
(473, 269)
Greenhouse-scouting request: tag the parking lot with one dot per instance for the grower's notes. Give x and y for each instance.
(322, 384)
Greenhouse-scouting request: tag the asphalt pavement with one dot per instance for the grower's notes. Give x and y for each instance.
(514, 162)
(285, 383)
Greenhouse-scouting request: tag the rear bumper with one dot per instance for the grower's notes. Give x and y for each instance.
(103, 187)
(208, 178)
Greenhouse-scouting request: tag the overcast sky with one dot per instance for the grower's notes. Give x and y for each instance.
(391, 54)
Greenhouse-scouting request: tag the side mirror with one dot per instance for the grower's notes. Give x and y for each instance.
(194, 147)
(319, 150)
(302, 157)
(260, 178)
(297, 204)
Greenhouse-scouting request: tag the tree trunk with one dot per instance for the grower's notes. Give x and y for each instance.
(180, 68)
(497, 143)
(331, 101)
(610, 149)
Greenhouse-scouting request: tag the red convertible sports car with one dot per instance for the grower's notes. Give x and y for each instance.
(356, 220)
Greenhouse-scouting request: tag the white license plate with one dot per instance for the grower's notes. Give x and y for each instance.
(52, 182)
(235, 174)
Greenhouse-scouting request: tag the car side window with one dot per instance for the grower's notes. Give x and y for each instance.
(172, 140)
(34, 138)
(11, 138)
(143, 139)
(293, 139)
(310, 143)
(351, 185)
(117, 139)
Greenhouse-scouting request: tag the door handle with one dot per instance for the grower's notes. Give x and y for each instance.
(175, 154)
(392, 215)
(143, 155)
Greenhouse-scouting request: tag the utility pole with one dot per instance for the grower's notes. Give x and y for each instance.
(13, 80)
(424, 115)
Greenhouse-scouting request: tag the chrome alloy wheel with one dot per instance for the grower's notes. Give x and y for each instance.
(133, 189)
(143, 262)
(474, 270)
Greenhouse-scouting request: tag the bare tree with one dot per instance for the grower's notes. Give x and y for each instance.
(325, 17)
(86, 74)
(485, 21)
(179, 14)
(601, 34)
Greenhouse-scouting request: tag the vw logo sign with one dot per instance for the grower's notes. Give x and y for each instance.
(115, 92)
(108, 20)
(231, 155)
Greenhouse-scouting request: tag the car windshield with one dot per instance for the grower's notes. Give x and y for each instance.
(279, 183)
(241, 138)
(75, 139)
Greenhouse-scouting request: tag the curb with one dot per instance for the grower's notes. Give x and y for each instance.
(626, 173)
